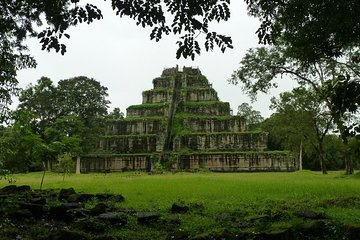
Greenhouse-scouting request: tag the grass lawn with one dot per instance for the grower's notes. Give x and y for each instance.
(213, 190)
(334, 194)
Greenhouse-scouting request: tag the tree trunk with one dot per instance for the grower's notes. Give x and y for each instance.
(48, 165)
(322, 164)
(322, 159)
(300, 156)
(43, 176)
(78, 165)
(349, 167)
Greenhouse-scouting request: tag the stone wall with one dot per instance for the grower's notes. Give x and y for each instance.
(163, 82)
(222, 141)
(201, 95)
(137, 126)
(131, 143)
(147, 110)
(207, 108)
(210, 125)
(156, 96)
(116, 163)
(238, 162)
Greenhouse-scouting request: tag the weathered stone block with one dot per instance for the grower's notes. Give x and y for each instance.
(157, 96)
(213, 124)
(223, 141)
(201, 95)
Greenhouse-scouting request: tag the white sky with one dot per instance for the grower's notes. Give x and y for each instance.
(120, 55)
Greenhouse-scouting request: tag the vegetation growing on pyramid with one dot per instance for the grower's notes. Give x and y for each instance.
(182, 125)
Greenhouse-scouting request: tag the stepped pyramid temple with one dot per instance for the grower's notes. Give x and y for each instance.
(183, 125)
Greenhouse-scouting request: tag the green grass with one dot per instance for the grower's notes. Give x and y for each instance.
(214, 190)
(219, 198)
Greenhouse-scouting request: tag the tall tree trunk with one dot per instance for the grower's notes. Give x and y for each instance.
(78, 165)
(43, 176)
(300, 155)
(349, 167)
(322, 158)
(322, 164)
(48, 165)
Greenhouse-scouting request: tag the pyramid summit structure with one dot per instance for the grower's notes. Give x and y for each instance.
(183, 125)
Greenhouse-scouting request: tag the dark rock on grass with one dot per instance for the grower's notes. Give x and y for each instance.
(23, 188)
(99, 209)
(309, 214)
(72, 205)
(217, 234)
(148, 217)
(62, 212)
(353, 232)
(179, 208)
(8, 189)
(117, 218)
(65, 193)
(281, 231)
(48, 194)
(37, 210)
(243, 224)
(342, 202)
(178, 235)
(79, 213)
(235, 219)
(110, 197)
(117, 198)
(313, 229)
(3, 197)
(38, 200)
(254, 218)
(84, 197)
(68, 235)
(105, 237)
(11, 189)
(92, 225)
(19, 214)
(80, 198)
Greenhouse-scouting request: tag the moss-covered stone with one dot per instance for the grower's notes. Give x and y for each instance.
(182, 124)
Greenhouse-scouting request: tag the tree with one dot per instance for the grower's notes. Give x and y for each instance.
(21, 150)
(41, 101)
(20, 19)
(64, 118)
(66, 135)
(115, 114)
(85, 98)
(336, 80)
(252, 117)
(312, 30)
(65, 164)
(82, 96)
(307, 115)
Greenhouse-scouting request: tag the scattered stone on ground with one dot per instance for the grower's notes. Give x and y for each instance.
(63, 214)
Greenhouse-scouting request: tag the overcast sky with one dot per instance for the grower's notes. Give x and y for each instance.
(120, 55)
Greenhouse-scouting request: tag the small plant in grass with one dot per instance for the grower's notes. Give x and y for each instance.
(65, 164)
(7, 176)
(158, 168)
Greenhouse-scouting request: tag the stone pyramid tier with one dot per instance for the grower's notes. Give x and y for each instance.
(182, 124)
